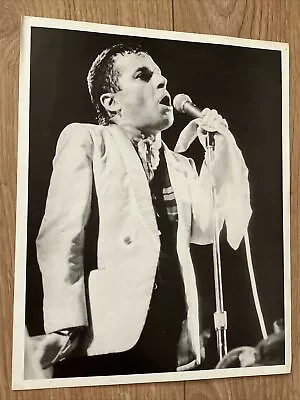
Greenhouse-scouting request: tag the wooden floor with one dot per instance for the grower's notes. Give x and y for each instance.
(276, 20)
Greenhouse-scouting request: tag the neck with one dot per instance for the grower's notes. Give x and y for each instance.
(136, 134)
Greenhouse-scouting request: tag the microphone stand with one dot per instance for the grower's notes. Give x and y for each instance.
(220, 316)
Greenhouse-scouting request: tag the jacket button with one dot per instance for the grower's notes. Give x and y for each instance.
(127, 240)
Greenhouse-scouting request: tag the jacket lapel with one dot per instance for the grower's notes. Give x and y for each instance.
(138, 180)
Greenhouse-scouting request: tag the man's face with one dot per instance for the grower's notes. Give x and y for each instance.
(144, 101)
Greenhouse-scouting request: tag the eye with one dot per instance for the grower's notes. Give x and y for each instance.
(144, 74)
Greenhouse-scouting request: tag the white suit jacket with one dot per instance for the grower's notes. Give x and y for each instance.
(128, 245)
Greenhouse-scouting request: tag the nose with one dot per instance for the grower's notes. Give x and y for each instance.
(161, 81)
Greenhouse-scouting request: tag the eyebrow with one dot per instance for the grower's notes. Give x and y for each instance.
(148, 69)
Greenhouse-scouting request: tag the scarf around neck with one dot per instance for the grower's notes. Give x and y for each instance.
(147, 147)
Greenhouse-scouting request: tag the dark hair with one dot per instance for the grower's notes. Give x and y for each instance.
(103, 77)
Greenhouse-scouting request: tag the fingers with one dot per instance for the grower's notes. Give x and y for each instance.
(211, 121)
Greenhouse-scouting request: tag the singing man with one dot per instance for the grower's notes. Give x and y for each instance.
(138, 311)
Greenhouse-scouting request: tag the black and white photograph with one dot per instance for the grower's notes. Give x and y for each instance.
(153, 216)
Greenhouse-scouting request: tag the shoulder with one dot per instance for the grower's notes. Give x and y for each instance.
(80, 136)
(77, 132)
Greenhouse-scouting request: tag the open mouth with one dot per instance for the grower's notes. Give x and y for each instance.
(166, 101)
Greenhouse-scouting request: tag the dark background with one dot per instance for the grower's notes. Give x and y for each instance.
(244, 85)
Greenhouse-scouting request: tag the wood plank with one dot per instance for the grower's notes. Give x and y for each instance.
(276, 20)
(266, 20)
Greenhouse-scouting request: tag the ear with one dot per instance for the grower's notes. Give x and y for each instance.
(109, 102)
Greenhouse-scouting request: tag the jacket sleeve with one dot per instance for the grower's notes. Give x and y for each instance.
(231, 192)
(61, 236)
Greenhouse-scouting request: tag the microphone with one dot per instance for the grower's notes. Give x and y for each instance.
(183, 104)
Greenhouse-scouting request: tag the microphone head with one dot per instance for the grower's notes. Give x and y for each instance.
(179, 101)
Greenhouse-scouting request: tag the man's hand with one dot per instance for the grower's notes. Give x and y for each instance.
(210, 121)
(225, 148)
(55, 347)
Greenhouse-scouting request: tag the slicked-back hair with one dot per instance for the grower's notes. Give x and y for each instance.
(103, 76)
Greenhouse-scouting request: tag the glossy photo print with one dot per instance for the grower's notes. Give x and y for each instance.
(153, 207)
